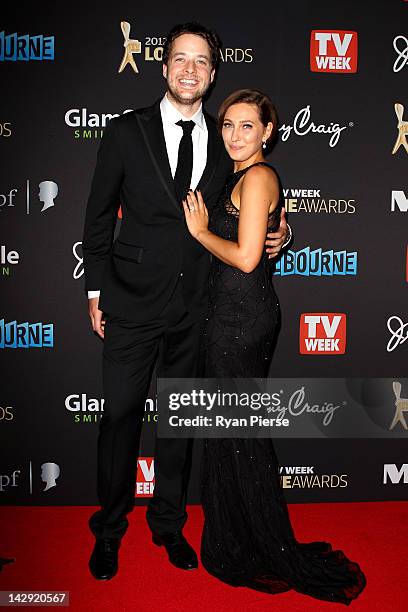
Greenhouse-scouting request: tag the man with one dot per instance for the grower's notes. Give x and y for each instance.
(153, 285)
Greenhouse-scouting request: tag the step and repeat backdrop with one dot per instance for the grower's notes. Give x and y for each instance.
(338, 74)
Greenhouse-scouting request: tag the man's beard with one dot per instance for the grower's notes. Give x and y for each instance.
(187, 101)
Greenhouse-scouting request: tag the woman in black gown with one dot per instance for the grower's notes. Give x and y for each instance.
(247, 538)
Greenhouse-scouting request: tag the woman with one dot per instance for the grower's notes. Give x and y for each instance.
(247, 538)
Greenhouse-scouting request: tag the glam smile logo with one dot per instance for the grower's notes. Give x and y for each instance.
(402, 127)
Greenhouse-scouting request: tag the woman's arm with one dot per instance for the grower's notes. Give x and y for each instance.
(258, 197)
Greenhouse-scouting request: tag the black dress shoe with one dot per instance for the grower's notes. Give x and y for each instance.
(104, 559)
(179, 550)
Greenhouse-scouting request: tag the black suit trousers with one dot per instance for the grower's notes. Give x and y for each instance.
(130, 352)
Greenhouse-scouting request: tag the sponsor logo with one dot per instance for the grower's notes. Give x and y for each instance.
(302, 126)
(402, 128)
(5, 129)
(316, 262)
(6, 199)
(86, 409)
(394, 475)
(333, 51)
(49, 473)
(151, 50)
(399, 332)
(400, 45)
(26, 47)
(26, 335)
(88, 125)
(6, 413)
(145, 477)
(43, 196)
(399, 200)
(401, 406)
(9, 480)
(79, 265)
(8, 259)
(305, 477)
(131, 47)
(48, 192)
(322, 333)
(311, 201)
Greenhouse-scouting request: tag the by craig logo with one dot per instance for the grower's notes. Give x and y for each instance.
(399, 200)
(25, 47)
(303, 125)
(145, 477)
(79, 259)
(394, 475)
(402, 128)
(333, 51)
(26, 335)
(400, 45)
(316, 262)
(322, 333)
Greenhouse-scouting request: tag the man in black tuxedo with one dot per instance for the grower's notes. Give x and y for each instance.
(153, 284)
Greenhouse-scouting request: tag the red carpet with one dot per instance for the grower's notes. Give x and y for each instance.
(52, 546)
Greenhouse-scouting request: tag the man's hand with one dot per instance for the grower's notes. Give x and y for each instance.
(98, 324)
(275, 240)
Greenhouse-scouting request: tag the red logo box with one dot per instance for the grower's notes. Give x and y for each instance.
(322, 333)
(333, 51)
(145, 477)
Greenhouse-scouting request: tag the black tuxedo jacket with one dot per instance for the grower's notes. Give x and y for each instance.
(137, 273)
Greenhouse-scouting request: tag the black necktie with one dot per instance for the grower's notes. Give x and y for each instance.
(184, 170)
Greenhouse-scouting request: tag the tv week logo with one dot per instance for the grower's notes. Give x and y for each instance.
(322, 333)
(145, 477)
(333, 51)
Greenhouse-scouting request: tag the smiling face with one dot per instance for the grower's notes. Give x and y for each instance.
(188, 71)
(244, 133)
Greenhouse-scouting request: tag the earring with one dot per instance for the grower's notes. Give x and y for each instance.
(264, 145)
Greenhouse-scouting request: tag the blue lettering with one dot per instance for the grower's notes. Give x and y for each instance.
(317, 263)
(25, 47)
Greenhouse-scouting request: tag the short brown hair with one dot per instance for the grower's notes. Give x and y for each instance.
(196, 28)
(266, 109)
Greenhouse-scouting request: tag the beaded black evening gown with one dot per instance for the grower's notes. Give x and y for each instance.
(247, 538)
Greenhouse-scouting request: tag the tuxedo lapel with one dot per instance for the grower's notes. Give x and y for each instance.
(151, 127)
(213, 153)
